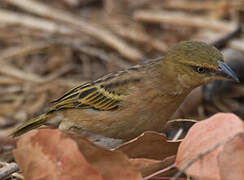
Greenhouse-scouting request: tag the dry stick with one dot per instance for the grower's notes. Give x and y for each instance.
(17, 176)
(201, 155)
(10, 18)
(8, 169)
(84, 48)
(139, 36)
(9, 80)
(99, 53)
(178, 134)
(81, 25)
(11, 52)
(14, 72)
(10, 70)
(224, 40)
(186, 5)
(89, 50)
(96, 52)
(22, 50)
(237, 44)
(183, 19)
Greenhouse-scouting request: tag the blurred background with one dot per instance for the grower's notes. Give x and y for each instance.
(49, 47)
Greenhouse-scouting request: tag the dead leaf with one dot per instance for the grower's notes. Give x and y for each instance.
(113, 165)
(150, 145)
(150, 167)
(231, 159)
(63, 156)
(143, 163)
(50, 155)
(203, 136)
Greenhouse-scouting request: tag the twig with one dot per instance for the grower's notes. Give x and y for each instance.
(81, 25)
(178, 134)
(186, 5)
(237, 44)
(99, 53)
(223, 41)
(139, 36)
(20, 50)
(10, 18)
(14, 72)
(9, 80)
(183, 19)
(201, 155)
(89, 50)
(9, 70)
(17, 175)
(8, 169)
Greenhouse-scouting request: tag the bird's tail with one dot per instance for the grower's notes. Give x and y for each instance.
(29, 125)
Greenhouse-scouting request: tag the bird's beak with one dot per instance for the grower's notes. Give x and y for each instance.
(226, 72)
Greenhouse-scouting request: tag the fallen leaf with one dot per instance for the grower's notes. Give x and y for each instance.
(150, 168)
(204, 136)
(63, 156)
(50, 155)
(113, 165)
(164, 168)
(231, 159)
(143, 164)
(150, 145)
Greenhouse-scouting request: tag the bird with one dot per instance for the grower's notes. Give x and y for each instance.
(124, 104)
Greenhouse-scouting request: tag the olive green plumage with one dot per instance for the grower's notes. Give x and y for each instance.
(143, 97)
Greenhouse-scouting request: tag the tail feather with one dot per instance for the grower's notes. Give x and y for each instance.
(29, 125)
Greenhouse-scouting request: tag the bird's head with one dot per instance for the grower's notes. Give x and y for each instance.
(195, 63)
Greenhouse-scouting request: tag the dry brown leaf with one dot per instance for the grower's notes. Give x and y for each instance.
(151, 145)
(113, 165)
(143, 163)
(50, 155)
(59, 155)
(150, 167)
(204, 136)
(231, 159)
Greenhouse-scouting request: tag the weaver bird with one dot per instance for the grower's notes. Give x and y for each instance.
(124, 104)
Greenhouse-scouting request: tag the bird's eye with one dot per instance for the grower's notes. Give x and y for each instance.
(200, 69)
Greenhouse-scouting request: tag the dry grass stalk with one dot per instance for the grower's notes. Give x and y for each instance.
(12, 18)
(81, 25)
(183, 19)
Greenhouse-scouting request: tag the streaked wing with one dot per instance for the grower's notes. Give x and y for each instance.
(88, 96)
(103, 94)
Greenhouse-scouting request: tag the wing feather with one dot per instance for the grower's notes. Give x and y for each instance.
(104, 94)
(93, 96)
